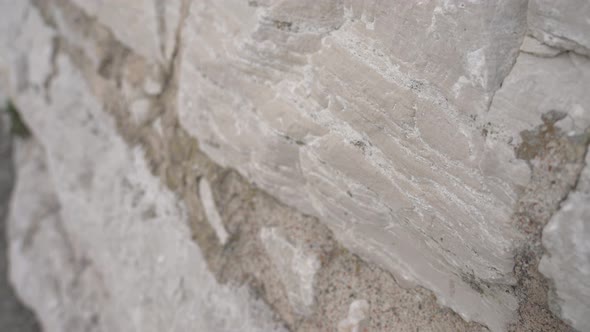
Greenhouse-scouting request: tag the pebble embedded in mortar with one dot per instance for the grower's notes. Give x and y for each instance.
(211, 212)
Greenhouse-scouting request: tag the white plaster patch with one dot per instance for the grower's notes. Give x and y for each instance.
(358, 318)
(140, 109)
(458, 86)
(476, 64)
(152, 86)
(296, 268)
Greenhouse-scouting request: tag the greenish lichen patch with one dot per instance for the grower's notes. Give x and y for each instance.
(17, 126)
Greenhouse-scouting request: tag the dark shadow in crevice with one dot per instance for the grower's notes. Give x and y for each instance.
(14, 316)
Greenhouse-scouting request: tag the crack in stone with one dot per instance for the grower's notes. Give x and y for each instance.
(55, 45)
(562, 49)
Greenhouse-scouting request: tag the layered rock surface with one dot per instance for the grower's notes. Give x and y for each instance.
(432, 139)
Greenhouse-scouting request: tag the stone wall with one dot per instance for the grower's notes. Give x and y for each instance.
(301, 165)
(13, 315)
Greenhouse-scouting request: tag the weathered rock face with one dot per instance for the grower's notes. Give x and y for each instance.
(433, 139)
(563, 24)
(375, 136)
(13, 315)
(382, 128)
(568, 255)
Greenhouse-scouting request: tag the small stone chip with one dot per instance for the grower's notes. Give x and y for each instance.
(211, 210)
(358, 318)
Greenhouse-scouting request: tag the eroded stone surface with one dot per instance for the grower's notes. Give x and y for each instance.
(381, 141)
(63, 288)
(87, 172)
(534, 46)
(75, 287)
(562, 24)
(413, 131)
(148, 26)
(148, 275)
(14, 316)
(568, 255)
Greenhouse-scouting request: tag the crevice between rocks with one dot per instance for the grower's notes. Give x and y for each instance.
(556, 161)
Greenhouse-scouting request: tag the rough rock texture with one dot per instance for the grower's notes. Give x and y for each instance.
(561, 24)
(568, 255)
(13, 315)
(301, 165)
